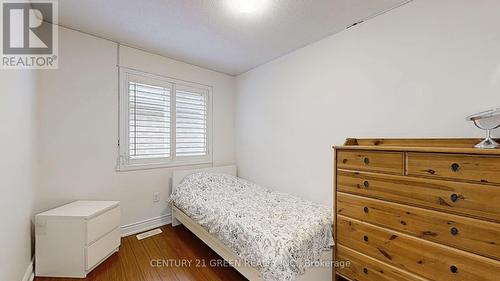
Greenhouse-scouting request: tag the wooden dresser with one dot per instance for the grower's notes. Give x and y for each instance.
(417, 209)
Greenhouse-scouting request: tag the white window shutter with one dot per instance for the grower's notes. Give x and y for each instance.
(191, 115)
(164, 122)
(149, 121)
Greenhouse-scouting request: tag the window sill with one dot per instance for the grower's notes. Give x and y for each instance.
(150, 166)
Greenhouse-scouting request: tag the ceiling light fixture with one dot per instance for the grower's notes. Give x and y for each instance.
(247, 6)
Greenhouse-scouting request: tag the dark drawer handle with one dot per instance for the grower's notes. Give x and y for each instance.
(453, 269)
(454, 197)
(365, 270)
(365, 238)
(365, 209)
(366, 161)
(454, 231)
(366, 184)
(455, 167)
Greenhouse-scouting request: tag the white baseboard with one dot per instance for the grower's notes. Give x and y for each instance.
(29, 275)
(145, 225)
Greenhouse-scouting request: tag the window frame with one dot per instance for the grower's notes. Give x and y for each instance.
(125, 163)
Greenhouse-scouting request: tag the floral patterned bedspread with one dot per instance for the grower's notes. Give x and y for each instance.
(277, 233)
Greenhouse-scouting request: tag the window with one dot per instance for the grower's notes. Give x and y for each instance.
(163, 122)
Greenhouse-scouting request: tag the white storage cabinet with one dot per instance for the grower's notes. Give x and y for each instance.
(73, 239)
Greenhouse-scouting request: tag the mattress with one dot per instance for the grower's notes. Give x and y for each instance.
(277, 233)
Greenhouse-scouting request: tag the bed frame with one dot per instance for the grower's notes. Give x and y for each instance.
(251, 273)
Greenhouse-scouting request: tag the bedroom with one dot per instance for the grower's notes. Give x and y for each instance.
(279, 83)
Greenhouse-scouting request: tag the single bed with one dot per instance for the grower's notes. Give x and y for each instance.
(230, 229)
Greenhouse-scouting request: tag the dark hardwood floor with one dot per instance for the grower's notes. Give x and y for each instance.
(163, 257)
(159, 258)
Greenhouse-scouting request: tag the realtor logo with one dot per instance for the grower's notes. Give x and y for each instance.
(29, 34)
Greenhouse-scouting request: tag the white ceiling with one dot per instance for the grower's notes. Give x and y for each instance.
(209, 34)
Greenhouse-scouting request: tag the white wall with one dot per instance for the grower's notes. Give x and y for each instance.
(78, 119)
(415, 71)
(17, 148)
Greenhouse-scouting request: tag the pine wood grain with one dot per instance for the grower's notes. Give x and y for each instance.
(477, 236)
(474, 200)
(365, 268)
(427, 259)
(443, 145)
(386, 162)
(438, 219)
(482, 169)
(415, 142)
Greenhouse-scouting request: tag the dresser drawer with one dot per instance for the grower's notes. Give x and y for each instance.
(427, 259)
(484, 169)
(102, 224)
(365, 268)
(476, 200)
(102, 248)
(386, 162)
(469, 234)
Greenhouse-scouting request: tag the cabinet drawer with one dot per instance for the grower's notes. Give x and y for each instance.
(484, 169)
(387, 162)
(476, 200)
(102, 248)
(364, 268)
(429, 260)
(102, 224)
(464, 233)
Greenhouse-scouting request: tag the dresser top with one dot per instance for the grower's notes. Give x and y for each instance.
(81, 209)
(437, 145)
